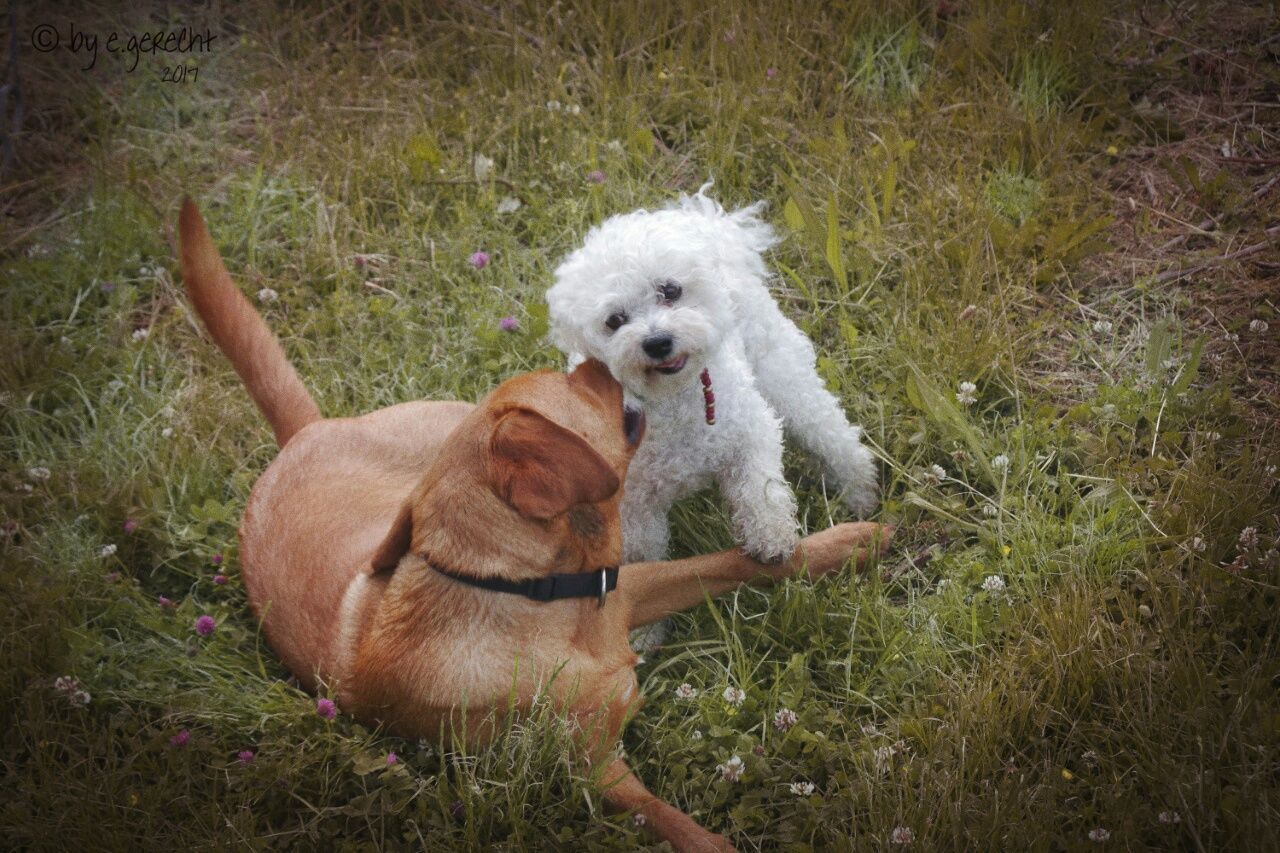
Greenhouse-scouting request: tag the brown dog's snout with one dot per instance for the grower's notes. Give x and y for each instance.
(596, 378)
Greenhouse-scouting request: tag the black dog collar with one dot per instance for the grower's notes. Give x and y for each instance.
(593, 584)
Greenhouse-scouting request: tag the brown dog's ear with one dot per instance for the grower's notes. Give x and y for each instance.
(541, 469)
(396, 544)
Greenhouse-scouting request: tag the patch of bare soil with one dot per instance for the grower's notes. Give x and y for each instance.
(1196, 200)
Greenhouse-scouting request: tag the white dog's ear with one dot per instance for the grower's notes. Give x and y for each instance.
(756, 234)
(749, 231)
(565, 313)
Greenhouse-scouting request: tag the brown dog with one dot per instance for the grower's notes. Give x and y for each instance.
(363, 543)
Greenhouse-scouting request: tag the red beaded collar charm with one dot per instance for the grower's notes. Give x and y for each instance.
(709, 396)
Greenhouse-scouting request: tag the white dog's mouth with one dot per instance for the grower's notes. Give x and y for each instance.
(672, 366)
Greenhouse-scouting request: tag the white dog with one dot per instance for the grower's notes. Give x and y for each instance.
(673, 298)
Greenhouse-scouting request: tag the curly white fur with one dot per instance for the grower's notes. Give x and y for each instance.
(724, 319)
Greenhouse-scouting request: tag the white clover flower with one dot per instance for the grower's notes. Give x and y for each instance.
(943, 585)
(107, 550)
(801, 789)
(1099, 835)
(784, 719)
(614, 145)
(167, 432)
(553, 106)
(990, 510)
(734, 696)
(993, 583)
(1000, 464)
(1102, 327)
(686, 691)
(39, 473)
(266, 296)
(1230, 337)
(70, 688)
(731, 770)
(1248, 538)
(1170, 817)
(696, 735)
(1258, 326)
(482, 166)
(933, 475)
(573, 109)
(141, 334)
(902, 835)
(510, 204)
(967, 395)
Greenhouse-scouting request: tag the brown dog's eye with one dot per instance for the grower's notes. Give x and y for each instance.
(669, 291)
(615, 322)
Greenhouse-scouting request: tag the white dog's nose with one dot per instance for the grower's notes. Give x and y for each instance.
(658, 346)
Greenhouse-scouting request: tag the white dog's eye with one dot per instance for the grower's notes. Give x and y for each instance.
(669, 291)
(615, 322)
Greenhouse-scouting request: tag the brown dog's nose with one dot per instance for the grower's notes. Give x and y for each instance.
(658, 346)
(633, 425)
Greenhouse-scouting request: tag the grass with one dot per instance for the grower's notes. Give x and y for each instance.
(946, 181)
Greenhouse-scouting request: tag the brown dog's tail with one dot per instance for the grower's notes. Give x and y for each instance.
(240, 333)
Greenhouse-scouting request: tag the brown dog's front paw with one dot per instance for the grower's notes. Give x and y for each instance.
(827, 550)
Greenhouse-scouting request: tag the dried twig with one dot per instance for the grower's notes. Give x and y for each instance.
(467, 181)
(1207, 226)
(377, 288)
(495, 15)
(1174, 275)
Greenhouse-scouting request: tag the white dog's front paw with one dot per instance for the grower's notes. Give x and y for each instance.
(771, 542)
(861, 500)
(855, 470)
